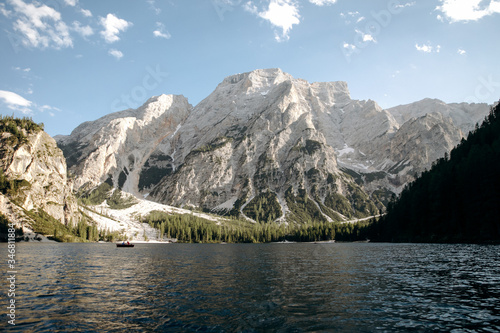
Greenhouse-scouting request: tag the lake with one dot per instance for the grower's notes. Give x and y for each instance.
(291, 287)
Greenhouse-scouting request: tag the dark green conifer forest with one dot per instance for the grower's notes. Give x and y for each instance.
(458, 200)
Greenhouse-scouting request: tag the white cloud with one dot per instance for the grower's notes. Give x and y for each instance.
(161, 32)
(352, 14)
(165, 35)
(426, 48)
(40, 25)
(15, 102)
(467, 10)
(112, 27)
(115, 53)
(323, 2)
(408, 4)
(71, 2)
(365, 37)
(85, 31)
(86, 12)
(282, 14)
(461, 52)
(349, 46)
(48, 107)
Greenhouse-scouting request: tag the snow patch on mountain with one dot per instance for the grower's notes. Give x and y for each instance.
(128, 221)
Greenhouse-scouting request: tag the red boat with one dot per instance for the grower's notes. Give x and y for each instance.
(127, 244)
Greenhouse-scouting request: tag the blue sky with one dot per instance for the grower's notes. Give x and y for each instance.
(63, 62)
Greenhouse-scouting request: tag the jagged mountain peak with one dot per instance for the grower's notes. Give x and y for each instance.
(154, 108)
(158, 105)
(264, 76)
(263, 81)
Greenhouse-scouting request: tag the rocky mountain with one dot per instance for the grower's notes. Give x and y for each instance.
(268, 146)
(119, 146)
(33, 174)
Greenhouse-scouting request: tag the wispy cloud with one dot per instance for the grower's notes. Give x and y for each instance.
(85, 31)
(161, 32)
(112, 27)
(467, 10)
(15, 102)
(461, 52)
(323, 2)
(4, 11)
(349, 16)
(26, 70)
(115, 53)
(71, 3)
(86, 12)
(49, 109)
(408, 4)
(38, 25)
(251, 7)
(152, 5)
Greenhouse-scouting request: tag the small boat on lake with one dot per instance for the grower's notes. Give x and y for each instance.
(127, 244)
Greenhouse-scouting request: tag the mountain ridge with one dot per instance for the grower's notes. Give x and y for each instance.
(267, 132)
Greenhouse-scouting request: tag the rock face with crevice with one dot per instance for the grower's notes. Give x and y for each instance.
(265, 139)
(38, 167)
(131, 148)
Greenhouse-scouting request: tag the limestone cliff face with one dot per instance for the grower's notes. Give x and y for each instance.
(41, 165)
(117, 146)
(267, 132)
(256, 133)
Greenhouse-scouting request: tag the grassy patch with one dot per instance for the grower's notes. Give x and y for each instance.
(115, 198)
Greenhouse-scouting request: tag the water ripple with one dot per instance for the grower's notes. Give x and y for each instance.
(255, 288)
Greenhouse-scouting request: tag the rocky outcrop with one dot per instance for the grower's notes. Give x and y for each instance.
(39, 167)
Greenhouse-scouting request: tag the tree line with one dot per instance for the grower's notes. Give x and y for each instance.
(192, 229)
(19, 128)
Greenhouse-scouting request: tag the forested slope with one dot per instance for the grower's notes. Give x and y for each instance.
(458, 200)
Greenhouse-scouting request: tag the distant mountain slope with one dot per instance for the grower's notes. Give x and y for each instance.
(458, 200)
(268, 146)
